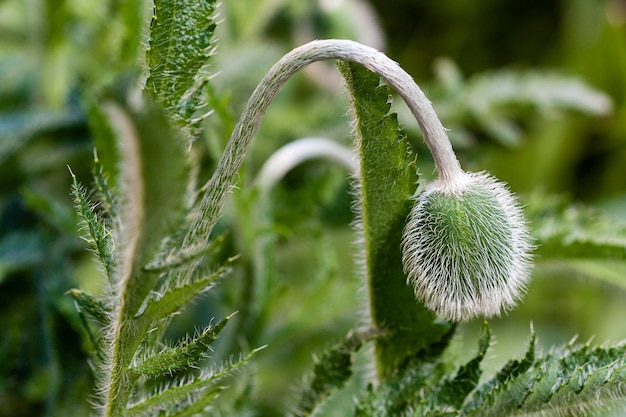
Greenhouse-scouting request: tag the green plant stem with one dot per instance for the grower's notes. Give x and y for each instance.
(217, 188)
(215, 191)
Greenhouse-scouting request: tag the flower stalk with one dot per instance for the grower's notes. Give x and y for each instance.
(465, 248)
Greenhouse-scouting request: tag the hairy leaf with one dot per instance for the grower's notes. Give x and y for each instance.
(100, 236)
(186, 353)
(512, 369)
(570, 381)
(452, 392)
(331, 371)
(388, 183)
(180, 46)
(169, 395)
(411, 382)
(175, 296)
(94, 307)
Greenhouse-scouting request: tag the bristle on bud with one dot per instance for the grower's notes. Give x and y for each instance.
(466, 248)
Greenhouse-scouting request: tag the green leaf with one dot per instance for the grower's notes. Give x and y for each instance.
(100, 236)
(331, 371)
(388, 181)
(181, 394)
(566, 230)
(454, 391)
(107, 154)
(94, 307)
(154, 181)
(513, 369)
(173, 297)
(408, 386)
(574, 379)
(186, 354)
(180, 46)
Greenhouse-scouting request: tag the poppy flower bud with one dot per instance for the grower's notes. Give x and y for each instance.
(466, 247)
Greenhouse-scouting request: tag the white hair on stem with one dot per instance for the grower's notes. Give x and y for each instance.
(470, 259)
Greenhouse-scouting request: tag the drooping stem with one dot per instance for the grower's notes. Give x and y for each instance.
(434, 133)
(215, 191)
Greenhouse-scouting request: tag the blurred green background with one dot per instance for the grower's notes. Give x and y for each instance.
(54, 52)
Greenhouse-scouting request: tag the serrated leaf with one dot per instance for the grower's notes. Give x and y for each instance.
(454, 391)
(176, 394)
(331, 371)
(512, 369)
(406, 389)
(568, 381)
(385, 204)
(94, 307)
(180, 46)
(174, 296)
(154, 179)
(100, 236)
(186, 354)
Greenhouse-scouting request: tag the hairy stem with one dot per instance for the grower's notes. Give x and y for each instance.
(215, 191)
(434, 133)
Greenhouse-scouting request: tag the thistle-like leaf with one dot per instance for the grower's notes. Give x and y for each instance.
(186, 354)
(181, 394)
(91, 305)
(180, 46)
(331, 371)
(175, 296)
(513, 369)
(99, 236)
(406, 389)
(452, 392)
(571, 381)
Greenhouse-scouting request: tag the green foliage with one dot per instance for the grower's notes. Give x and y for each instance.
(572, 380)
(331, 371)
(153, 231)
(99, 234)
(180, 45)
(491, 101)
(384, 207)
(142, 297)
(567, 230)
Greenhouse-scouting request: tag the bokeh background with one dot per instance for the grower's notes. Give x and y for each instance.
(552, 139)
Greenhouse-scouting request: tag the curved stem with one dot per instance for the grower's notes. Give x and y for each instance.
(434, 133)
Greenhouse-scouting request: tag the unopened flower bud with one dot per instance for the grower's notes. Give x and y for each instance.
(466, 247)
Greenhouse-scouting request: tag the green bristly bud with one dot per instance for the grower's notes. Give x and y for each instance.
(466, 247)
